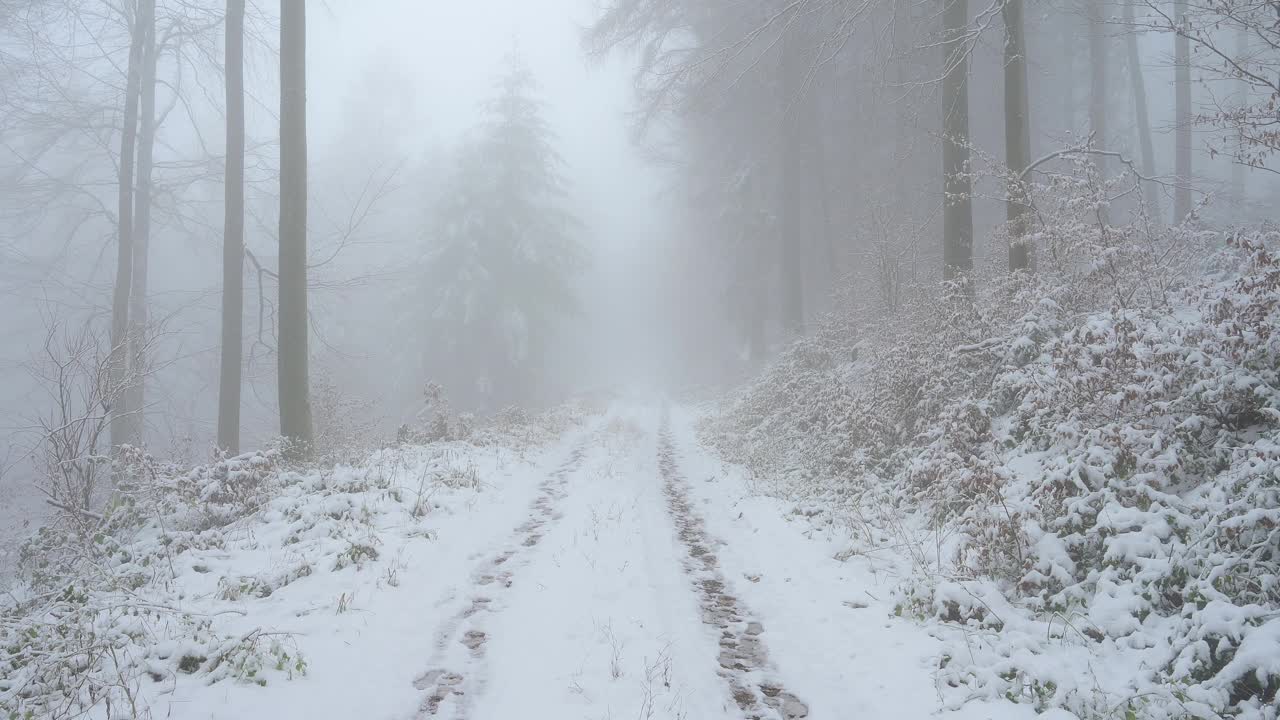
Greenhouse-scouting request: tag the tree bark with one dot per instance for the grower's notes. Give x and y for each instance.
(1017, 133)
(957, 213)
(791, 247)
(119, 358)
(233, 238)
(138, 316)
(1069, 44)
(798, 215)
(1139, 87)
(1239, 191)
(292, 357)
(1098, 76)
(1182, 115)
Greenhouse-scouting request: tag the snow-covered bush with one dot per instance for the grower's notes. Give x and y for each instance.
(157, 588)
(89, 629)
(1091, 449)
(512, 426)
(346, 426)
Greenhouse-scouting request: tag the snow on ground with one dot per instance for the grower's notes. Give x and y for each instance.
(622, 571)
(830, 623)
(561, 591)
(365, 634)
(601, 623)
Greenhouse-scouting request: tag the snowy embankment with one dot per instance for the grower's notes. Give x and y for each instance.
(1081, 505)
(318, 589)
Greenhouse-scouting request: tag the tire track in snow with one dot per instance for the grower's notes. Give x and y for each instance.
(491, 578)
(744, 661)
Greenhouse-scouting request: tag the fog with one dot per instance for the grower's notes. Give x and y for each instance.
(869, 269)
(398, 51)
(685, 150)
(393, 89)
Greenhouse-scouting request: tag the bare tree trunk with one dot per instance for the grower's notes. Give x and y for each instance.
(826, 270)
(1139, 87)
(1239, 192)
(1017, 133)
(791, 262)
(757, 285)
(821, 252)
(1098, 76)
(124, 244)
(957, 213)
(138, 317)
(904, 204)
(796, 218)
(1182, 115)
(233, 238)
(1098, 69)
(1069, 37)
(292, 358)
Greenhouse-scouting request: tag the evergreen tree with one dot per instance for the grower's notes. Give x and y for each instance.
(504, 250)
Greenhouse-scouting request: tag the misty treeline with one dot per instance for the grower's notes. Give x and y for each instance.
(1012, 270)
(825, 153)
(1000, 280)
(830, 148)
(142, 134)
(109, 155)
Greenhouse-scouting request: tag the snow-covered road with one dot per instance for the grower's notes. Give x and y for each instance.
(623, 573)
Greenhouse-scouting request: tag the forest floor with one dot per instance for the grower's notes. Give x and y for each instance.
(623, 572)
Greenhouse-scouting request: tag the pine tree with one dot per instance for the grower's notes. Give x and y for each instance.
(503, 251)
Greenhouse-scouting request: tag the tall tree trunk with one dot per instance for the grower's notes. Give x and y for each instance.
(791, 246)
(138, 316)
(797, 220)
(1182, 115)
(1139, 87)
(233, 238)
(1017, 133)
(827, 269)
(758, 236)
(1070, 36)
(1098, 76)
(821, 250)
(904, 202)
(292, 357)
(119, 358)
(1098, 69)
(957, 213)
(1239, 191)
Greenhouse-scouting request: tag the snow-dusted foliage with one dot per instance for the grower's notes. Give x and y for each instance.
(1092, 452)
(171, 582)
(346, 426)
(511, 427)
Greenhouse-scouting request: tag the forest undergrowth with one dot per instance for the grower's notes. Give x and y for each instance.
(160, 586)
(1080, 466)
